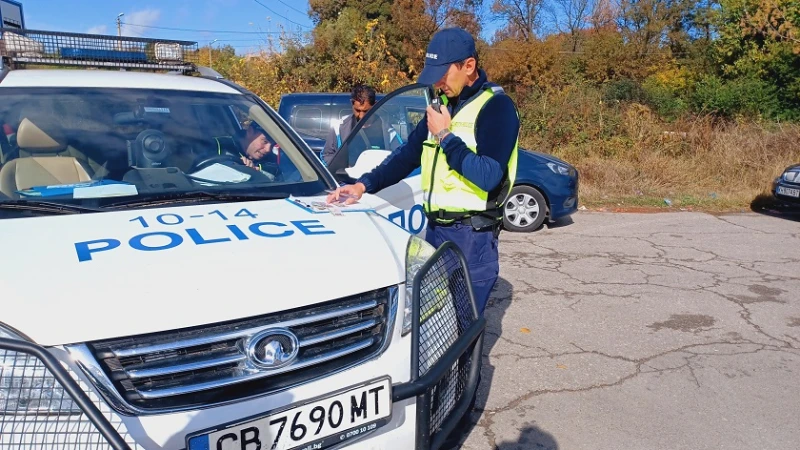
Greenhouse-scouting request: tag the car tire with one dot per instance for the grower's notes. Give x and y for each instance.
(525, 210)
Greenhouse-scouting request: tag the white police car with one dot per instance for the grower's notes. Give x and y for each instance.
(172, 282)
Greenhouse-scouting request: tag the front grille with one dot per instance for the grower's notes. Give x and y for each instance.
(210, 365)
(38, 410)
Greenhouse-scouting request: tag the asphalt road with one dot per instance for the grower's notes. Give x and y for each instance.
(644, 331)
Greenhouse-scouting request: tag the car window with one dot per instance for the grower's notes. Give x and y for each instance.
(414, 115)
(153, 140)
(385, 127)
(310, 120)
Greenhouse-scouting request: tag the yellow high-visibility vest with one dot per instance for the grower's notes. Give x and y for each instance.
(446, 193)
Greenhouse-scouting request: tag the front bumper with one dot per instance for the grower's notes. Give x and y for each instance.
(563, 196)
(447, 339)
(785, 188)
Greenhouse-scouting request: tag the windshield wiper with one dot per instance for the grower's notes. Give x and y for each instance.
(46, 207)
(196, 196)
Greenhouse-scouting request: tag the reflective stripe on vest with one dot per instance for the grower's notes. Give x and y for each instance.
(445, 189)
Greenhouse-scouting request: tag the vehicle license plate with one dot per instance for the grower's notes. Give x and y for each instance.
(316, 424)
(789, 191)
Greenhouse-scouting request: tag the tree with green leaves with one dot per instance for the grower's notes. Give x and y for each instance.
(758, 52)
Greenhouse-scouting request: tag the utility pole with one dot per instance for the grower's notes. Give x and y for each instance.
(119, 24)
(119, 31)
(210, 62)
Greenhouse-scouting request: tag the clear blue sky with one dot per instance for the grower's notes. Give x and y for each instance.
(252, 20)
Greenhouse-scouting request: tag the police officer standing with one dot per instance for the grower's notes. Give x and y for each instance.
(467, 154)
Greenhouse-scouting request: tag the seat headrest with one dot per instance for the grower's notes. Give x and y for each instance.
(45, 136)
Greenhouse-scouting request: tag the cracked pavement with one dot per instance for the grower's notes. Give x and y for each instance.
(644, 331)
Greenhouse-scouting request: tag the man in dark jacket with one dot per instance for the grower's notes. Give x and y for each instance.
(363, 99)
(375, 133)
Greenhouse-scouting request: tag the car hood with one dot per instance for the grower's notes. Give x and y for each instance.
(76, 278)
(541, 158)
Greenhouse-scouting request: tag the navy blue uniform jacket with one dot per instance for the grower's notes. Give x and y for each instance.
(497, 129)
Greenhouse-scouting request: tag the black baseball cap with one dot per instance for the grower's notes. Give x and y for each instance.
(447, 46)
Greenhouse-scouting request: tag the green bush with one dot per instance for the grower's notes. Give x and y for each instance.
(666, 103)
(750, 97)
(623, 90)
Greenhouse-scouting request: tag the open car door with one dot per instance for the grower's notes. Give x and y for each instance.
(382, 130)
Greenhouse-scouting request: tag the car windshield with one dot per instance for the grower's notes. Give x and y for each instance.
(94, 147)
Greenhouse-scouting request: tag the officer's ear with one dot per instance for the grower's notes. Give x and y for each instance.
(469, 65)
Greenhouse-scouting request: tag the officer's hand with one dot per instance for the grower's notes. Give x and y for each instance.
(351, 193)
(438, 121)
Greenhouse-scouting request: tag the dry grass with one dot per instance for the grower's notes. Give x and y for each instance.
(693, 162)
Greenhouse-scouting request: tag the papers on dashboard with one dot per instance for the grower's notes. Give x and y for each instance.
(105, 190)
(219, 173)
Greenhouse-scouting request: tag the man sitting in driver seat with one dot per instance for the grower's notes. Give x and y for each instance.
(254, 147)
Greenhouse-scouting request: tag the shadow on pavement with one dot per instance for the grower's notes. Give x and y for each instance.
(769, 206)
(531, 438)
(560, 222)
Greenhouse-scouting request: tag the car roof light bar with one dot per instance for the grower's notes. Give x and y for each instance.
(37, 47)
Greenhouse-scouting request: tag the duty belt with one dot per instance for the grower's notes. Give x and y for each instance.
(477, 219)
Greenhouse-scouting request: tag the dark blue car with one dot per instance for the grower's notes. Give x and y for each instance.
(546, 188)
(786, 188)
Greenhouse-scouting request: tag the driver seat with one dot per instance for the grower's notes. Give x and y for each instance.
(38, 169)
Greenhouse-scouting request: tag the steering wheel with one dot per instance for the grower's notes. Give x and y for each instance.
(205, 162)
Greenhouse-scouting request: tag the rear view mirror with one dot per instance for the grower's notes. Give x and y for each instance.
(367, 160)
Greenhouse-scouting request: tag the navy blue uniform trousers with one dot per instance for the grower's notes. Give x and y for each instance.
(480, 250)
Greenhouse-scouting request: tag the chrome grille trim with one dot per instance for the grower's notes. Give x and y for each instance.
(362, 345)
(205, 340)
(197, 365)
(182, 390)
(335, 334)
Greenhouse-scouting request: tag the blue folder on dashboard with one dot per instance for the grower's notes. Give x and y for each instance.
(62, 189)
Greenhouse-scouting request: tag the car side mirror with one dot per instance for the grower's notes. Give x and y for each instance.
(367, 160)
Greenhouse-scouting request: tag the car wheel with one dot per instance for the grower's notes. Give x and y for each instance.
(525, 210)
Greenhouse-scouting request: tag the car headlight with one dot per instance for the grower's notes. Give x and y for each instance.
(418, 252)
(791, 176)
(27, 386)
(558, 168)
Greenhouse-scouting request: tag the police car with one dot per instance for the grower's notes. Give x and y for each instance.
(175, 280)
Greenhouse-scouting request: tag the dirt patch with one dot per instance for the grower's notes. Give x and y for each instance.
(764, 294)
(659, 209)
(688, 323)
(630, 209)
(794, 322)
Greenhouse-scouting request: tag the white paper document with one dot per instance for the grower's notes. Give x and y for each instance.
(220, 173)
(105, 190)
